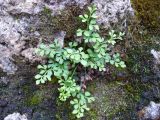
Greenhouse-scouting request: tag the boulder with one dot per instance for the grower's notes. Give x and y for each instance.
(16, 116)
(151, 112)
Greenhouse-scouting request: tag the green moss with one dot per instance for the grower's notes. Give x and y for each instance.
(133, 93)
(47, 11)
(148, 12)
(66, 21)
(110, 99)
(36, 99)
(64, 111)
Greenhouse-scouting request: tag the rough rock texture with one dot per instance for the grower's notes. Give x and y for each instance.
(112, 11)
(18, 93)
(156, 55)
(16, 116)
(22, 26)
(151, 112)
(5, 60)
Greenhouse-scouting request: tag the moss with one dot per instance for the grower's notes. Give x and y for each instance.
(132, 92)
(47, 11)
(36, 99)
(148, 12)
(66, 21)
(64, 111)
(139, 59)
(110, 99)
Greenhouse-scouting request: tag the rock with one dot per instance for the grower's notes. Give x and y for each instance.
(151, 112)
(25, 6)
(156, 55)
(4, 81)
(7, 65)
(0, 110)
(3, 103)
(28, 111)
(16, 116)
(147, 95)
(22, 25)
(10, 107)
(109, 99)
(37, 116)
(58, 6)
(30, 54)
(5, 60)
(112, 11)
(60, 37)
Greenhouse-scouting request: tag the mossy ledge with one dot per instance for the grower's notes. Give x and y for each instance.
(148, 12)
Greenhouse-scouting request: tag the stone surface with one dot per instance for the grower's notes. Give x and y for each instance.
(22, 28)
(156, 55)
(3, 103)
(112, 99)
(112, 11)
(151, 112)
(16, 116)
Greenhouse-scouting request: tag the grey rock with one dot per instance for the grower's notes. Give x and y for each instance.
(20, 23)
(151, 112)
(23, 6)
(58, 6)
(0, 110)
(112, 11)
(156, 55)
(30, 54)
(3, 103)
(37, 116)
(7, 65)
(16, 116)
(60, 37)
(4, 81)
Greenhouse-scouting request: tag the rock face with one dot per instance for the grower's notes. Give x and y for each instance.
(112, 11)
(151, 112)
(16, 116)
(156, 55)
(22, 26)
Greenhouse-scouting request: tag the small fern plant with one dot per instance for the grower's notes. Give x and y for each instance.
(92, 52)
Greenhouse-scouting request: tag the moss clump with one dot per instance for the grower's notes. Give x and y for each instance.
(134, 91)
(36, 99)
(64, 111)
(148, 12)
(110, 100)
(66, 21)
(47, 12)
